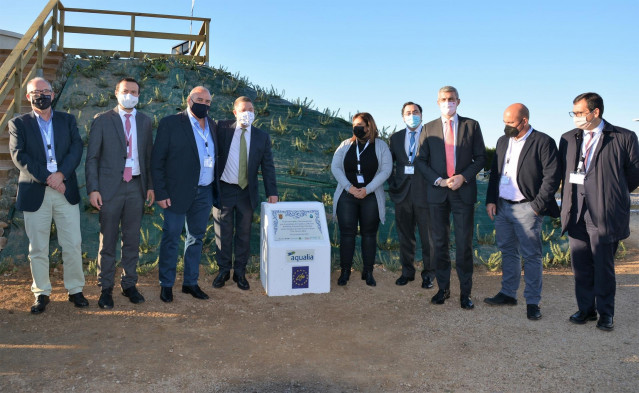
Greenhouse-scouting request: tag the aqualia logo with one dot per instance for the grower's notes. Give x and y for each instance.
(300, 255)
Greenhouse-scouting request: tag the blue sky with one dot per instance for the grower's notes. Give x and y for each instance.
(375, 55)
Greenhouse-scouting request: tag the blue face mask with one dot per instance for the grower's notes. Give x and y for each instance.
(412, 121)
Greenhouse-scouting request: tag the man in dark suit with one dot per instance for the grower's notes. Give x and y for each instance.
(243, 150)
(118, 180)
(523, 180)
(183, 171)
(600, 166)
(407, 190)
(452, 152)
(45, 146)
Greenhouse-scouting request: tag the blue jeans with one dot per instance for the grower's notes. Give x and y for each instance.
(196, 219)
(518, 235)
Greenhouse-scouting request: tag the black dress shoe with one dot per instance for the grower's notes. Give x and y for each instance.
(221, 279)
(40, 304)
(533, 312)
(427, 282)
(78, 300)
(403, 280)
(133, 294)
(605, 323)
(466, 303)
(166, 294)
(441, 296)
(195, 291)
(370, 280)
(106, 299)
(343, 277)
(501, 300)
(241, 281)
(581, 317)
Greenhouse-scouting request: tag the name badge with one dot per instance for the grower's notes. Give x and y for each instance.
(129, 163)
(409, 170)
(504, 180)
(577, 177)
(208, 162)
(52, 166)
(360, 179)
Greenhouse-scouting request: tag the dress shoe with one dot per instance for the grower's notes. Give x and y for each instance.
(441, 296)
(370, 280)
(466, 303)
(78, 300)
(166, 294)
(605, 323)
(533, 312)
(427, 282)
(501, 300)
(195, 291)
(40, 304)
(581, 317)
(403, 280)
(106, 299)
(221, 279)
(343, 277)
(241, 281)
(133, 294)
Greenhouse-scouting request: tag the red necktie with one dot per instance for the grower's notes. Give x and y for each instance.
(449, 142)
(128, 171)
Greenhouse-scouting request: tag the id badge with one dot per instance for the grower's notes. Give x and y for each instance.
(577, 177)
(360, 179)
(208, 162)
(504, 180)
(129, 163)
(52, 166)
(409, 170)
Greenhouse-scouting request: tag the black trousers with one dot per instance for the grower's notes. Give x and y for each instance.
(352, 211)
(408, 217)
(463, 220)
(233, 228)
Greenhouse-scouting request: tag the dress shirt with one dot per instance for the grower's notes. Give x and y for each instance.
(418, 132)
(511, 190)
(46, 130)
(598, 131)
(206, 174)
(232, 168)
(455, 121)
(135, 171)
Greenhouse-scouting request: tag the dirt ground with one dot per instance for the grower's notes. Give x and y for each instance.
(353, 339)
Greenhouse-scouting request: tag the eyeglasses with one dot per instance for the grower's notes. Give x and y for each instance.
(39, 92)
(578, 114)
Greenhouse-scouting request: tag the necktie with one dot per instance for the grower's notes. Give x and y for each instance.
(590, 135)
(411, 147)
(242, 175)
(128, 171)
(449, 142)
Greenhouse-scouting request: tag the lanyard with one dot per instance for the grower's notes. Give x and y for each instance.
(204, 137)
(359, 170)
(411, 147)
(508, 154)
(47, 136)
(583, 159)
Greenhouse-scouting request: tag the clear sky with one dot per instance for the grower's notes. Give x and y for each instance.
(374, 55)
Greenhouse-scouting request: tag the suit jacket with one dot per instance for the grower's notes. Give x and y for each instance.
(259, 156)
(106, 153)
(175, 163)
(400, 184)
(612, 174)
(538, 173)
(28, 155)
(469, 154)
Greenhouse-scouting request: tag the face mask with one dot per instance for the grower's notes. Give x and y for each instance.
(127, 101)
(580, 122)
(412, 121)
(511, 131)
(200, 110)
(245, 118)
(448, 108)
(359, 132)
(42, 102)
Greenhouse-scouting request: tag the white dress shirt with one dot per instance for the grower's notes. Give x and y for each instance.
(593, 145)
(134, 138)
(509, 189)
(230, 174)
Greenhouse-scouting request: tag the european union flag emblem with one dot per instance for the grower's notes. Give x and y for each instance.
(300, 277)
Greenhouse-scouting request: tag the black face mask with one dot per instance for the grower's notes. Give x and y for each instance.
(359, 132)
(42, 102)
(511, 131)
(200, 110)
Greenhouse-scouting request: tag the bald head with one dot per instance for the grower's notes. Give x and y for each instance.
(516, 116)
(519, 111)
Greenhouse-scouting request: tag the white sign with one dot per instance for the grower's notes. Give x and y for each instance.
(305, 256)
(296, 224)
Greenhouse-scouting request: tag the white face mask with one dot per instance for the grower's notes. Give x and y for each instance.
(128, 101)
(245, 118)
(448, 108)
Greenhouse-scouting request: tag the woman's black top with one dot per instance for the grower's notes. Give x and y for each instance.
(368, 163)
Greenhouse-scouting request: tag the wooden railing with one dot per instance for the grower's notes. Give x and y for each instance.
(13, 80)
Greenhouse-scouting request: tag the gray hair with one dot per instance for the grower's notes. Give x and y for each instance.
(38, 79)
(449, 89)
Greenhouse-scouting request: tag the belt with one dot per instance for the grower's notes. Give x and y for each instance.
(514, 202)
